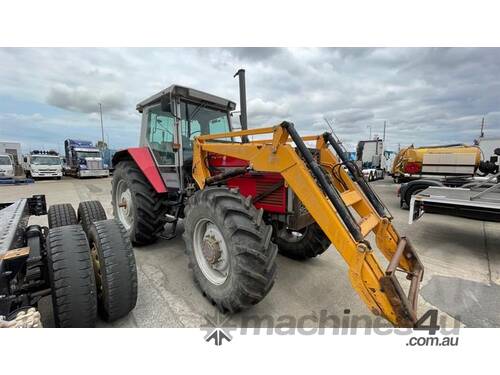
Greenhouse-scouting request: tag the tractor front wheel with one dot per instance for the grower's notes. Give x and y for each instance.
(304, 244)
(229, 247)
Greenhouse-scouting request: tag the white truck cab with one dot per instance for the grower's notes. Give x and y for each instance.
(6, 166)
(371, 159)
(43, 164)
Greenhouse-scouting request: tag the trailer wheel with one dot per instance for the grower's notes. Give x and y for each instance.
(71, 277)
(229, 248)
(89, 212)
(412, 190)
(136, 204)
(114, 269)
(60, 215)
(300, 245)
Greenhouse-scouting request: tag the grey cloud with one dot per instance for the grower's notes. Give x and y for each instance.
(255, 54)
(81, 99)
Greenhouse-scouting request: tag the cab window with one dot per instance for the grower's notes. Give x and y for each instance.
(160, 135)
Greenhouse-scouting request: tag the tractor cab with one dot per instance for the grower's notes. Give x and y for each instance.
(171, 120)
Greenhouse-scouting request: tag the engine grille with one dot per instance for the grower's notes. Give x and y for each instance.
(275, 198)
(260, 183)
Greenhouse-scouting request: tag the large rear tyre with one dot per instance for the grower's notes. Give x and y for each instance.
(71, 277)
(90, 212)
(136, 204)
(300, 245)
(229, 247)
(60, 215)
(114, 269)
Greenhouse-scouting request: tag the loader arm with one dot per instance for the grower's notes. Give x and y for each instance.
(343, 205)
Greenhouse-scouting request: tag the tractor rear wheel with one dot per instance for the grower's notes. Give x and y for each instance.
(229, 247)
(304, 244)
(136, 204)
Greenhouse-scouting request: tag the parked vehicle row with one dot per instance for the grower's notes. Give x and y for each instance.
(80, 159)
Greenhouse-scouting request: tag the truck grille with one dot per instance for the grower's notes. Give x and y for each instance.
(94, 164)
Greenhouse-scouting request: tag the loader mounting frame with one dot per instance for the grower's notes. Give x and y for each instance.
(345, 208)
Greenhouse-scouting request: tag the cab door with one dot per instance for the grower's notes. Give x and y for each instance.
(160, 134)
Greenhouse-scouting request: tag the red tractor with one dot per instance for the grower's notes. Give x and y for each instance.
(243, 200)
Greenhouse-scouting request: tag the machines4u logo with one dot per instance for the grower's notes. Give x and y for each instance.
(218, 329)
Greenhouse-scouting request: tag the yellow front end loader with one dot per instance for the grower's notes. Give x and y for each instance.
(340, 202)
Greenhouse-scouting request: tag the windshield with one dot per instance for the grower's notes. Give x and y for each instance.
(88, 154)
(198, 119)
(5, 160)
(45, 160)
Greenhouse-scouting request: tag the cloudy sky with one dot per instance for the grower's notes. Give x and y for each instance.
(427, 96)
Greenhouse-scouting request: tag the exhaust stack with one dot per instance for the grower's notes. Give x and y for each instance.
(243, 99)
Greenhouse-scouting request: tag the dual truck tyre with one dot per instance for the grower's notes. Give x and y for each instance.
(71, 277)
(91, 266)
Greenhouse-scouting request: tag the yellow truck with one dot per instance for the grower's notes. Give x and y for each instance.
(437, 161)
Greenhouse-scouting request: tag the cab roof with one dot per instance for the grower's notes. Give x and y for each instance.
(188, 93)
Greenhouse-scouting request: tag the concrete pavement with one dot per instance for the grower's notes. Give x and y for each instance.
(461, 257)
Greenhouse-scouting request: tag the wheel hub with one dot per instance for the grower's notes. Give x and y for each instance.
(211, 249)
(124, 204)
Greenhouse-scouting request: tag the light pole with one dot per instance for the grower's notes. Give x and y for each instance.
(102, 126)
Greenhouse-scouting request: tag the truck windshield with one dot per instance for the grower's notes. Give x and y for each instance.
(45, 160)
(5, 160)
(88, 154)
(198, 119)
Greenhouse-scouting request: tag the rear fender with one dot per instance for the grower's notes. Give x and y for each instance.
(146, 163)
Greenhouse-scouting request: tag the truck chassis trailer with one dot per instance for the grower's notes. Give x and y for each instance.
(85, 263)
